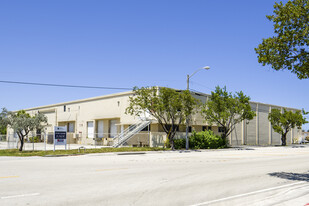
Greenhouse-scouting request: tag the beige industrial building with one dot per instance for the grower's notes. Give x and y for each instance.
(102, 121)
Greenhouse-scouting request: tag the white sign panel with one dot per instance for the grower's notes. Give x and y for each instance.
(60, 135)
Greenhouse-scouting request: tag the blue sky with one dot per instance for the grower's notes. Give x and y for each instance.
(120, 43)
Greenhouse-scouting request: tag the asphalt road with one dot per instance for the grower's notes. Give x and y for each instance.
(259, 176)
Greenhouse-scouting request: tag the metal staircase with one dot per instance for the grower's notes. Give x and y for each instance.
(130, 132)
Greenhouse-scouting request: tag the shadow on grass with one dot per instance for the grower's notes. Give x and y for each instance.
(291, 176)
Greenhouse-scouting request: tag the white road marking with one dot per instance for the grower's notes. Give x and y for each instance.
(24, 195)
(247, 194)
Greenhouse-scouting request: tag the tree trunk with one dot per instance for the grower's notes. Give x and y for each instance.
(283, 139)
(21, 139)
(224, 137)
(170, 137)
(172, 143)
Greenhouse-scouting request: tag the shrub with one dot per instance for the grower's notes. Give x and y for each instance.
(34, 139)
(201, 140)
(307, 138)
(206, 140)
(180, 143)
(2, 130)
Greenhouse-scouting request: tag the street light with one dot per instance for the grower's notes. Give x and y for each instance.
(187, 119)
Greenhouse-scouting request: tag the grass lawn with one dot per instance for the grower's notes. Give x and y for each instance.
(16, 152)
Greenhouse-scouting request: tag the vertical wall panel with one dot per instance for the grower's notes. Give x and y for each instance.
(236, 135)
(251, 132)
(288, 138)
(276, 138)
(270, 137)
(251, 128)
(263, 125)
(259, 129)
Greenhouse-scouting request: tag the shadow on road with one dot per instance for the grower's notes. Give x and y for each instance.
(291, 176)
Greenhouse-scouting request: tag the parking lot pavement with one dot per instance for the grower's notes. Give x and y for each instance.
(257, 176)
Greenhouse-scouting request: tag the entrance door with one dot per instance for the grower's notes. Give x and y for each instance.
(100, 128)
(90, 130)
(71, 127)
(113, 128)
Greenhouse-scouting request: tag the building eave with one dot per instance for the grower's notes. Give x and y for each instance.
(81, 100)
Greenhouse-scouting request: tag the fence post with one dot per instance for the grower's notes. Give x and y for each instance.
(8, 140)
(149, 135)
(69, 141)
(32, 142)
(17, 139)
(45, 141)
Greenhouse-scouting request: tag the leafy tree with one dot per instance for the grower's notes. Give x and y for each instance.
(2, 130)
(22, 123)
(282, 123)
(168, 106)
(226, 110)
(288, 49)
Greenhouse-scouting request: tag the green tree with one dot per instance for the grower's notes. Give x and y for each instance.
(168, 106)
(22, 123)
(226, 110)
(288, 49)
(2, 123)
(282, 123)
(2, 130)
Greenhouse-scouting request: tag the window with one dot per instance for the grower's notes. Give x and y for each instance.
(64, 108)
(205, 128)
(113, 128)
(168, 127)
(190, 129)
(71, 127)
(132, 127)
(90, 130)
(146, 129)
(100, 128)
(221, 129)
(38, 133)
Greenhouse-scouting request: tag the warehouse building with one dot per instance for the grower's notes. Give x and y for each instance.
(102, 121)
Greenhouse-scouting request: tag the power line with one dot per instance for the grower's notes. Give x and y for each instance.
(63, 85)
(202, 93)
(253, 109)
(202, 85)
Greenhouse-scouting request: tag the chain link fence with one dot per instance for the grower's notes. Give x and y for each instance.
(44, 141)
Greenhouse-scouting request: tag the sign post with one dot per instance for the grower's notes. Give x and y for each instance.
(60, 136)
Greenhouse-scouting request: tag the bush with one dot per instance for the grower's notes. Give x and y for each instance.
(206, 140)
(307, 138)
(180, 143)
(201, 140)
(2, 130)
(34, 139)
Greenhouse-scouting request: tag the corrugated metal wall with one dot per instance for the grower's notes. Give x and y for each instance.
(258, 131)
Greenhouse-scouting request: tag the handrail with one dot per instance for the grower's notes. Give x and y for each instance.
(130, 128)
(130, 132)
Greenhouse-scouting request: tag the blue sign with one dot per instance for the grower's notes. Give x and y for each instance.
(60, 135)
